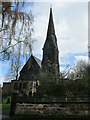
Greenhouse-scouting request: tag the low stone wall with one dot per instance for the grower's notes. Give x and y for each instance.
(50, 109)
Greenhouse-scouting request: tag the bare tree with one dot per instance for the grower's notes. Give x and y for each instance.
(16, 29)
(81, 69)
(15, 32)
(13, 72)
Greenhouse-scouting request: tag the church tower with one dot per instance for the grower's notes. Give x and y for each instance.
(50, 63)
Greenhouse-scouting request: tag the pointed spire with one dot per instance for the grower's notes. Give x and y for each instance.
(51, 29)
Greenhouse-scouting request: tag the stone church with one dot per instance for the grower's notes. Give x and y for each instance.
(34, 66)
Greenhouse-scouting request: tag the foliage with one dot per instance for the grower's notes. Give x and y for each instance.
(4, 104)
(78, 79)
(50, 87)
(5, 99)
(71, 87)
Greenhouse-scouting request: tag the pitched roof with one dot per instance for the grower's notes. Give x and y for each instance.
(29, 63)
(38, 61)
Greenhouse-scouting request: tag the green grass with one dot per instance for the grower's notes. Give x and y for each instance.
(6, 106)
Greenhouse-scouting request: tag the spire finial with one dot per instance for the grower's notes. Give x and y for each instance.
(51, 8)
(50, 24)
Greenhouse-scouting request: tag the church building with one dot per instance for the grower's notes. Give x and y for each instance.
(49, 63)
(34, 66)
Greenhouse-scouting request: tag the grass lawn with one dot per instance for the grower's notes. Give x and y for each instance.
(6, 106)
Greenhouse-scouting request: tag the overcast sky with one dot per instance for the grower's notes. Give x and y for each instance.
(71, 28)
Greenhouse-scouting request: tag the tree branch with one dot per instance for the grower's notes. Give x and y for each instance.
(11, 46)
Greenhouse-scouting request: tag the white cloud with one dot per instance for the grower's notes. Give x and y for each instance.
(71, 26)
(2, 79)
(84, 58)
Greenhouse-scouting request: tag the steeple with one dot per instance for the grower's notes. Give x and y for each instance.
(51, 29)
(51, 37)
(50, 61)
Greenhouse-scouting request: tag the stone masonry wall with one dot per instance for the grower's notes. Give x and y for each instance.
(44, 109)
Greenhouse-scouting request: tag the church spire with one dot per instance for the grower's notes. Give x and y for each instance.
(50, 61)
(51, 29)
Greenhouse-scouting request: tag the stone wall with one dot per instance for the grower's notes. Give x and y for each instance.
(50, 109)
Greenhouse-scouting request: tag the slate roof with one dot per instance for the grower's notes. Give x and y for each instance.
(38, 61)
(28, 63)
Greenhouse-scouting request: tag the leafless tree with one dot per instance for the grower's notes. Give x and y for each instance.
(15, 32)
